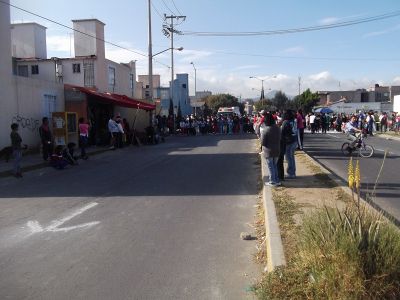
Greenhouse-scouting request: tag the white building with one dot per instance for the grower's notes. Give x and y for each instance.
(95, 87)
(24, 100)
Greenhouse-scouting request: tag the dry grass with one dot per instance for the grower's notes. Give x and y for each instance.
(334, 253)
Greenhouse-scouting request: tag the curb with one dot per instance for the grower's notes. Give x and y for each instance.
(275, 253)
(388, 137)
(373, 207)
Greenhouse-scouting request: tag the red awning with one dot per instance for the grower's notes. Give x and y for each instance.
(116, 99)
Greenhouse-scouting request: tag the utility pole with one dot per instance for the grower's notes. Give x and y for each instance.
(299, 84)
(171, 31)
(195, 88)
(150, 54)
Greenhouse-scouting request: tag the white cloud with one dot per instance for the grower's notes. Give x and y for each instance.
(396, 80)
(382, 32)
(60, 43)
(375, 33)
(193, 55)
(246, 67)
(296, 49)
(328, 20)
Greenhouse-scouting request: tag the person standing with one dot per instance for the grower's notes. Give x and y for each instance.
(16, 141)
(113, 129)
(270, 141)
(312, 122)
(300, 129)
(383, 121)
(83, 137)
(289, 135)
(46, 138)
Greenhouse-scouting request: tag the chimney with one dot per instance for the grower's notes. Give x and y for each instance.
(89, 38)
(28, 40)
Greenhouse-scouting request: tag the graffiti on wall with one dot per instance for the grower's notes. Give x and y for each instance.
(26, 123)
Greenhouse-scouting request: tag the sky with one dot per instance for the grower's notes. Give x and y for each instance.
(343, 58)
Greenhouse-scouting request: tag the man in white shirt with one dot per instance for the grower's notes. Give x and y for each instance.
(312, 123)
(114, 130)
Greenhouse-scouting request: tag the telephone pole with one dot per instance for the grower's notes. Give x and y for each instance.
(299, 84)
(150, 64)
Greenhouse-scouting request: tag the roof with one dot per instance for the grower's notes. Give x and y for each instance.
(27, 24)
(88, 20)
(115, 99)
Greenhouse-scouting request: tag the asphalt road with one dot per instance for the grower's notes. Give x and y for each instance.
(326, 150)
(155, 222)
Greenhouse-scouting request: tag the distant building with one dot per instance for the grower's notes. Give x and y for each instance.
(181, 94)
(373, 94)
(197, 102)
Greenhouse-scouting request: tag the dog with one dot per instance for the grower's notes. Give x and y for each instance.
(6, 152)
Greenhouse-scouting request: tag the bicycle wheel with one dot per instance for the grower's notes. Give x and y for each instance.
(347, 149)
(366, 151)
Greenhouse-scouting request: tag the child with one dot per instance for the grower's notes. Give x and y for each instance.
(68, 154)
(57, 160)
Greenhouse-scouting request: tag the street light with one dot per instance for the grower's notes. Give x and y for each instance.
(195, 88)
(262, 86)
(179, 49)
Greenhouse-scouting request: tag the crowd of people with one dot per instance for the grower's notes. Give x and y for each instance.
(371, 121)
(58, 157)
(280, 135)
(275, 146)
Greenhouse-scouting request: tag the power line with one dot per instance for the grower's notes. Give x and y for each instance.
(165, 4)
(81, 32)
(297, 30)
(173, 2)
(303, 57)
(157, 11)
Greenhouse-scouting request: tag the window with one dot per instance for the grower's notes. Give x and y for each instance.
(35, 69)
(131, 81)
(48, 105)
(111, 76)
(88, 73)
(147, 94)
(22, 71)
(184, 85)
(147, 86)
(76, 68)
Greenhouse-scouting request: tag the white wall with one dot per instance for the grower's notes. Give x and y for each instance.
(396, 103)
(27, 108)
(6, 88)
(28, 40)
(122, 84)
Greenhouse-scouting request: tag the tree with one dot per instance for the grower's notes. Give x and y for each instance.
(214, 102)
(280, 101)
(264, 104)
(171, 108)
(306, 101)
(179, 113)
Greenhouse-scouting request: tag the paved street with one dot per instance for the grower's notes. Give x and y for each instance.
(155, 222)
(326, 150)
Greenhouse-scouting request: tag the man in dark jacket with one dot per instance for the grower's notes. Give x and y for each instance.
(270, 141)
(46, 138)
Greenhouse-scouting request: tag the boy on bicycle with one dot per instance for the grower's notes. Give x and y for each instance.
(351, 129)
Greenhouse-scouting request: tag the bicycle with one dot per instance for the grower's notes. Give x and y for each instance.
(359, 145)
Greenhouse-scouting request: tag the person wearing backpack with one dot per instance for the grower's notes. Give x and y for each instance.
(289, 138)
